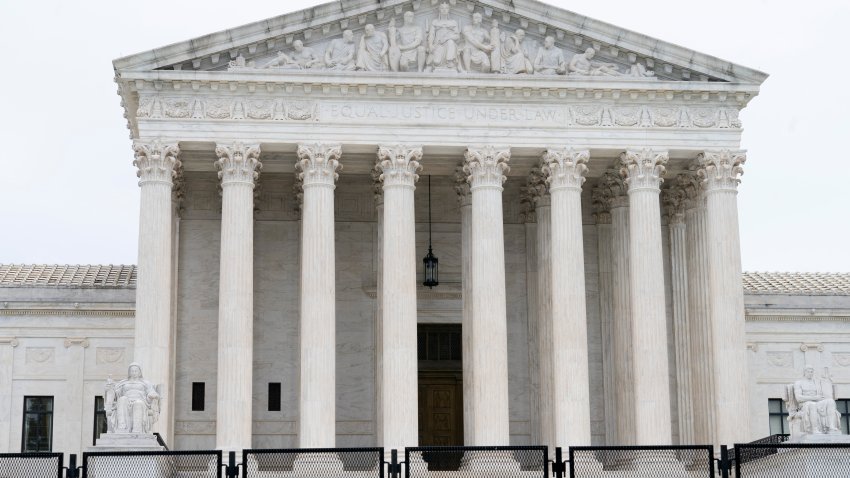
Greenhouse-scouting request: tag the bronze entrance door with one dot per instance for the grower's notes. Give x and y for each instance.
(440, 385)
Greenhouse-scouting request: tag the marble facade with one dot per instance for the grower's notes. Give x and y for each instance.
(594, 222)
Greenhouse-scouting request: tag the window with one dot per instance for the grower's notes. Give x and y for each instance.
(99, 419)
(274, 396)
(198, 392)
(439, 342)
(38, 425)
(843, 406)
(778, 416)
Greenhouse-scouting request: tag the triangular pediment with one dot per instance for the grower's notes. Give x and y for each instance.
(301, 40)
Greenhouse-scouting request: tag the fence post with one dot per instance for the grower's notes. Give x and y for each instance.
(723, 464)
(71, 471)
(230, 469)
(394, 469)
(558, 467)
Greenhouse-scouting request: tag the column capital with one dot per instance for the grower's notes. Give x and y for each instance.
(399, 164)
(608, 194)
(464, 195)
(238, 163)
(156, 161)
(318, 164)
(691, 186)
(673, 199)
(721, 169)
(377, 185)
(643, 168)
(565, 168)
(486, 166)
(534, 193)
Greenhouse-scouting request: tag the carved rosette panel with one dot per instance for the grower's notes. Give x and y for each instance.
(156, 162)
(721, 169)
(318, 164)
(673, 200)
(565, 168)
(486, 167)
(604, 196)
(399, 165)
(464, 195)
(643, 169)
(238, 163)
(37, 355)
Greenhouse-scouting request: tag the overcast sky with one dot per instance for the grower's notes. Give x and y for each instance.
(68, 191)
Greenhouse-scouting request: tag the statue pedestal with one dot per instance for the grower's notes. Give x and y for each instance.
(820, 438)
(127, 442)
(122, 460)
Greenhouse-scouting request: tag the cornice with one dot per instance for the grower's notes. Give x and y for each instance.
(67, 313)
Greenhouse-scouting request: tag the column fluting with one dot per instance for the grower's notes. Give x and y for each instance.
(158, 167)
(464, 197)
(720, 170)
(565, 169)
(399, 165)
(486, 168)
(642, 170)
(239, 167)
(317, 168)
(674, 204)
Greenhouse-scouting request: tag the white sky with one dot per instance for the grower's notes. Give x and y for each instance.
(68, 191)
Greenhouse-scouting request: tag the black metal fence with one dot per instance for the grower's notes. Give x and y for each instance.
(642, 461)
(318, 462)
(476, 461)
(153, 464)
(781, 460)
(31, 465)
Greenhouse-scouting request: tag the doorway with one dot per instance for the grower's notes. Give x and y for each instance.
(440, 385)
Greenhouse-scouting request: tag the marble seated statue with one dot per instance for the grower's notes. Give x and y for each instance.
(132, 404)
(810, 402)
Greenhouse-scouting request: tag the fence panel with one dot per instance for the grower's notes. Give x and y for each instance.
(476, 462)
(314, 462)
(153, 464)
(31, 465)
(791, 460)
(642, 461)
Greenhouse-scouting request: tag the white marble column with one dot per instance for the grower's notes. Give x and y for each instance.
(674, 205)
(720, 171)
(621, 337)
(239, 169)
(702, 377)
(7, 373)
(486, 168)
(564, 169)
(378, 188)
(642, 170)
(399, 165)
(602, 199)
(464, 197)
(317, 168)
(157, 165)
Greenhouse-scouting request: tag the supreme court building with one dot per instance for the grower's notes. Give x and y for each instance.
(582, 205)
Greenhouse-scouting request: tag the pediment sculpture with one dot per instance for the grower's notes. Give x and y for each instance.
(447, 43)
(812, 413)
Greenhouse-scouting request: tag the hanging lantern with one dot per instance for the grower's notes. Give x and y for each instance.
(430, 262)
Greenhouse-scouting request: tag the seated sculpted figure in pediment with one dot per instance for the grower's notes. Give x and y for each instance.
(341, 52)
(372, 54)
(478, 46)
(443, 38)
(550, 59)
(407, 45)
(514, 56)
(300, 59)
(132, 404)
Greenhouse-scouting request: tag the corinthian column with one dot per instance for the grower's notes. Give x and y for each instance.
(239, 167)
(464, 197)
(720, 171)
(378, 188)
(486, 168)
(565, 169)
(399, 165)
(317, 167)
(602, 197)
(699, 327)
(674, 205)
(642, 170)
(157, 165)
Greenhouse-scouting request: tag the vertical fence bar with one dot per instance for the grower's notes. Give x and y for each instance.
(572, 462)
(723, 464)
(558, 467)
(232, 471)
(72, 466)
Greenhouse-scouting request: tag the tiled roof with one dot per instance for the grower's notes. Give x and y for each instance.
(796, 283)
(81, 276)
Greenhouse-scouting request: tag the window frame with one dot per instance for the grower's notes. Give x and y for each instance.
(24, 423)
(785, 427)
(98, 412)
